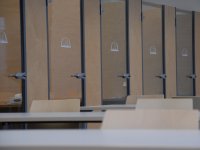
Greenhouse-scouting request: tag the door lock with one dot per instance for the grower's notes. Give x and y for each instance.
(79, 75)
(124, 76)
(192, 76)
(162, 76)
(18, 75)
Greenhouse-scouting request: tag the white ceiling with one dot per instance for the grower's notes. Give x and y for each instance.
(192, 5)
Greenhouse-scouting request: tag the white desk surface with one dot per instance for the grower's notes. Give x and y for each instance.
(100, 140)
(105, 107)
(53, 117)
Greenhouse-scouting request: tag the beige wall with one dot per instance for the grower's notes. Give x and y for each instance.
(36, 50)
(170, 51)
(92, 52)
(135, 47)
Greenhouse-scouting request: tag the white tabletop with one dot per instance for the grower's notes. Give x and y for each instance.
(100, 140)
(53, 117)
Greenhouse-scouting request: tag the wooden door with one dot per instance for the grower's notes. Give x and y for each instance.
(153, 68)
(65, 49)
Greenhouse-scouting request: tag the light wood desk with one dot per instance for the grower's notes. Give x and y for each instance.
(52, 117)
(100, 140)
(106, 107)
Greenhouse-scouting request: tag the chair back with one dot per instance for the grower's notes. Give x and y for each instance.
(151, 119)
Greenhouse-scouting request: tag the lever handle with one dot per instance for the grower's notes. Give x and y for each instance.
(162, 76)
(18, 75)
(124, 76)
(79, 75)
(192, 76)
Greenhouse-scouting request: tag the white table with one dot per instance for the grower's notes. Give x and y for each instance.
(106, 107)
(100, 140)
(52, 117)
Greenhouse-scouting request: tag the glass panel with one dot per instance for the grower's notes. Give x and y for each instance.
(113, 28)
(184, 53)
(152, 49)
(10, 56)
(64, 48)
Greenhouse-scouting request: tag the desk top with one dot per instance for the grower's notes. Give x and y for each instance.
(100, 140)
(105, 107)
(52, 117)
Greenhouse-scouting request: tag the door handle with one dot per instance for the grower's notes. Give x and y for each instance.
(124, 76)
(18, 75)
(192, 76)
(162, 76)
(79, 75)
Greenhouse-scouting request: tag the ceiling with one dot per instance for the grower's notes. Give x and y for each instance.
(192, 5)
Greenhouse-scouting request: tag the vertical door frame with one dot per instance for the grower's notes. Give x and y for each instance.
(127, 45)
(163, 48)
(83, 82)
(23, 53)
(193, 52)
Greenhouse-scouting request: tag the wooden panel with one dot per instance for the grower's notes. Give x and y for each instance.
(197, 52)
(10, 53)
(113, 30)
(36, 50)
(165, 104)
(92, 52)
(64, 25)
(170, 51)
(151, 119)
(135, 47)
(184, 52)
(132, 99)
(67, 105)
(152, 49)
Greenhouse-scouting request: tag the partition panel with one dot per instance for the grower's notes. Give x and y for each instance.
(36, 50)
(197, 52)
(135, 47)
(185, 53)
(170, 51)
(153, 53)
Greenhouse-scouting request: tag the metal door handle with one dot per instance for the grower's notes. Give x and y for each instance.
(162, 76)
(79, 75)
(18, 75)
(192, 76)
(124, 76)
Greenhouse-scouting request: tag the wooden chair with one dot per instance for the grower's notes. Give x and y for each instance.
(66, 105)
(151, 119)
(132, 99)
(164, 104)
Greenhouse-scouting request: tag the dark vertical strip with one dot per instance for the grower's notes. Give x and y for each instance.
(177, 91)
(193, 51)
(142, 41)
(163, 47)
(83, 81)
(101, 53)
(48, 49)
(127, 44)
(23, 53)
